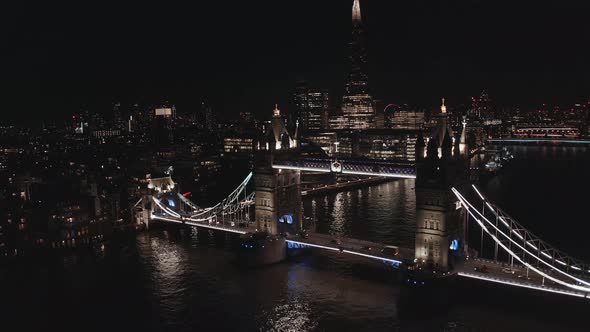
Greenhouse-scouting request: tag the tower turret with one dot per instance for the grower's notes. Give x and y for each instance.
(432, 149)
(420, 145)
(447, 146)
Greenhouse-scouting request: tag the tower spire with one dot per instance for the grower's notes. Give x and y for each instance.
(356, 12)
(443, 107)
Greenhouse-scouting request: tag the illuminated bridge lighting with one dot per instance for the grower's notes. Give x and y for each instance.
(561, 262)
(352, 172)
(385, 260)
(516, 284)
(471, 210)
(225, 229)
(309, 169)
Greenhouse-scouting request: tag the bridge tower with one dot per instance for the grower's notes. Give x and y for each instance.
(278, 198)
(278, 192)
(155, 187)
(438, 217)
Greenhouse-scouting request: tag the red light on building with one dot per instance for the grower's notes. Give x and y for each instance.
(186, 194)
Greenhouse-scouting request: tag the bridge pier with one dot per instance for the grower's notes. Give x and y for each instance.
(278, 213)
(143, 211)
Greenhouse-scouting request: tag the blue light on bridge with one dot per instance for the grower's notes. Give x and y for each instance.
(454, 245)
(286, 218)
(171, 203)
(291, 245)
(392, 264)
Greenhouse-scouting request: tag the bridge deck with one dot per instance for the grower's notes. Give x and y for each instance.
(516, 275)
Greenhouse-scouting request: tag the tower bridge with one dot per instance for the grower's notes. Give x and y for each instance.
(269, 220)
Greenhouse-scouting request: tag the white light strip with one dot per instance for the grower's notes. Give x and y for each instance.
(389, 175)
(373, 257)
(517, 234)
(468, 275)
(546, 255)
(324, 170)
(504, 222)
(561, 262)
(346, 251)
(297, 168)
(477, 191)
(518, 258)
(138, 202)
(531, 245)
(490, 207)
(199, 225)
(576, 268)
(313, 245)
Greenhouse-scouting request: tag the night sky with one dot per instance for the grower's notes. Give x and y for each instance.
(248, 55)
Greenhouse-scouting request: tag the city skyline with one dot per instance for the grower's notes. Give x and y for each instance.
(417, 53)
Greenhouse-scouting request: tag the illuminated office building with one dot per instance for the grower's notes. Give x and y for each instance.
(311, 108)
(357, 103)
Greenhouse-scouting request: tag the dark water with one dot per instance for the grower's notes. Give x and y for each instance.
(176, 279)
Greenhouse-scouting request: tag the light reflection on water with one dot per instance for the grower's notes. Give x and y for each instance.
(382, 213)
(178, 280)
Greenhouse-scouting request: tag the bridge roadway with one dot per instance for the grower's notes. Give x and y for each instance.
(503, 273)
(353, 246)
(496, 272)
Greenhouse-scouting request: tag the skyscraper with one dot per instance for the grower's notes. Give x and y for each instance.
(311, 107)
(206, 117)
(162, 131)
(357, 103)
(481, 107)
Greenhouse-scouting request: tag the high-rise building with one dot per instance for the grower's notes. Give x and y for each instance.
(357, 103)
(208, 117)
(481, 107)
(403, 117)
(163, 133)
(311, 107)
(118, 122)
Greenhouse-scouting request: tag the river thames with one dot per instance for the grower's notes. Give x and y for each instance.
(175, 279)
